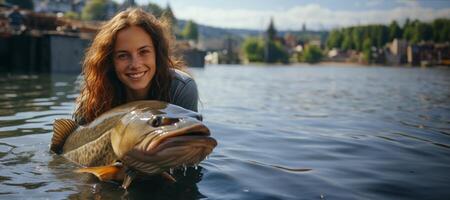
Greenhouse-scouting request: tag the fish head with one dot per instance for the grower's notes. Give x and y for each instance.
(155, 139)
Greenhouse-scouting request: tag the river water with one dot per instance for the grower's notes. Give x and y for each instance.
(284, 132)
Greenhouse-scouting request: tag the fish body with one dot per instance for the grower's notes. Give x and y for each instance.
(147, 137)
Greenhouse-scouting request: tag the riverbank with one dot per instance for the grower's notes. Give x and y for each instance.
(337, 64)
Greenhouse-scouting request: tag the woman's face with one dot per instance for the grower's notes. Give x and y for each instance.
(134, 60)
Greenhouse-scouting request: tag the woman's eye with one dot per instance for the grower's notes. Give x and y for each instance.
(145, 52)
(121, 56)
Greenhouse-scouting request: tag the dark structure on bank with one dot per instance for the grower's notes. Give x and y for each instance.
(46, 43)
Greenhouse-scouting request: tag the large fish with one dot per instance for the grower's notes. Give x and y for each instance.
(134, 139)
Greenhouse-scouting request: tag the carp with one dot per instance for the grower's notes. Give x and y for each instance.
(135, 139)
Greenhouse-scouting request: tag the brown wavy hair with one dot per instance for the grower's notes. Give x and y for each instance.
(102, 90)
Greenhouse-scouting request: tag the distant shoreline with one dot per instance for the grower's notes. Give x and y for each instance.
(331, 63)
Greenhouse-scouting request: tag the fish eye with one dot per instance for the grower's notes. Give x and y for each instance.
(155, 121)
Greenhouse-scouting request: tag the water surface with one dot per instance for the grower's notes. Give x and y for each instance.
(284, 132)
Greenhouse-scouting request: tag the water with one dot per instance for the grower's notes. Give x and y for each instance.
(300, 132)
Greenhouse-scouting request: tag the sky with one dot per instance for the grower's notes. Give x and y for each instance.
(292, 14)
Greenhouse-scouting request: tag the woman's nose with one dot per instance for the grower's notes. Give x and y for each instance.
(135, 61)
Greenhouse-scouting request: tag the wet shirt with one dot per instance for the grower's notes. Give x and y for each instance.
(183, 90)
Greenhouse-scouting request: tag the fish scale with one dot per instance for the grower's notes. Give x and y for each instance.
(96, 153)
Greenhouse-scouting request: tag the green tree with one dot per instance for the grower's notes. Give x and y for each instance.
(357, 38)
(167, 15)
(418, 31)
(253, 49)
(24, 4)
(347, 41)
(276, 52)
(382, 35)
(441, 30)
(394, 31)
(334, 40)
(312, 54)
(190, 31)
(367, 49)
(71, 15)
(271, 31)
(95, 10)
(423, 31)
(409, 30)
(155, 9)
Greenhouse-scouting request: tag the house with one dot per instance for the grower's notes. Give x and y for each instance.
(429, 54)
(396, 53)
(57, 6)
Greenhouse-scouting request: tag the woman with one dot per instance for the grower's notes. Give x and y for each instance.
(130, 60)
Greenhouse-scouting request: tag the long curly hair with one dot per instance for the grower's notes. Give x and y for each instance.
(102, 90)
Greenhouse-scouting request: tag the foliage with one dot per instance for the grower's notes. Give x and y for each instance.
(312, 54)
(367, 50)
(347, 41)
(253, 49)
(95, 10)
(394, 31)
(271, 31)
(265, 49)
(71, 15)
(412, 31)
(276, 53)
(334, 39)
(155, 9)
(168, 16)
(444, 26)
(24, 4)
(190, 31)
(357, 38)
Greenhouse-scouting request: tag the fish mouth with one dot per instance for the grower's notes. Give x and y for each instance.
(184, 136)
(186, 146)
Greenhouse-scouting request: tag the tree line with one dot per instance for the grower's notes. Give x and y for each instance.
(360, 37)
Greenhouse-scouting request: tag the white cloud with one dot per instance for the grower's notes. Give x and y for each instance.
(368, 3)
(315, 16)
(408, 3)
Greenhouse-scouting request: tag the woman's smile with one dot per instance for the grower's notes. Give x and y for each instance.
(136, 75)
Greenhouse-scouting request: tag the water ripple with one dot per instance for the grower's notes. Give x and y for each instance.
(284, 132)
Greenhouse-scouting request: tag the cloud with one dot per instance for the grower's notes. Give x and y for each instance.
(315, 17)
(368, 3)
(408, 3)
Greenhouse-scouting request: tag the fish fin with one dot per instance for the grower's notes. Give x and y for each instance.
(129, 177)
(168, 177)
(104, 173)
(62, 128)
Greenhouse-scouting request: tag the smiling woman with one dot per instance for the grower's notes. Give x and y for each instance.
(129, 60)
(134, 61)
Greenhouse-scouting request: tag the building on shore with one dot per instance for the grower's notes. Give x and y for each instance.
(48, 43)
(396, 53)
(429, 54)
(58, 6)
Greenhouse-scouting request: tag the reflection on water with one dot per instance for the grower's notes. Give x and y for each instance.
(284, 133)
